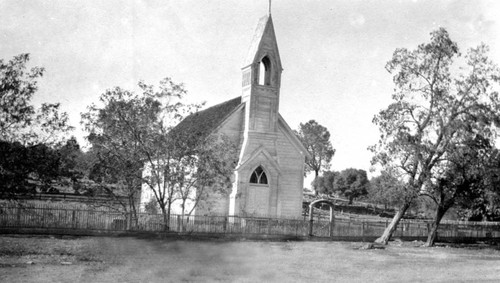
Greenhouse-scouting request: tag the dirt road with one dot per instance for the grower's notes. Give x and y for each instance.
(103, 259)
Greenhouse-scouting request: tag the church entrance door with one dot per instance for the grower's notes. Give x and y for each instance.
(258, 200)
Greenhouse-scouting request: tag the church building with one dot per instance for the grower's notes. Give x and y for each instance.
(269, 176)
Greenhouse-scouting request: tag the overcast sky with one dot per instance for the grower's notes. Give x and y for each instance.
(333, 52)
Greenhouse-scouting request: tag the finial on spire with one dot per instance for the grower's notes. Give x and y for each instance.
(269, 7)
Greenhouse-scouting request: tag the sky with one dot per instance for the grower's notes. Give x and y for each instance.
(333, 52)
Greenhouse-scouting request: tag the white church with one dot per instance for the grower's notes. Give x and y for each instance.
(269, 176)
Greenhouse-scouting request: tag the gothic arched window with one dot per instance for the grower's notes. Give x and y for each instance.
(265, 71)
(258, 176)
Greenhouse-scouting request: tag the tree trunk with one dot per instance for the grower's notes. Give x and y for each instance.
(133, 211)
(386, 236)
(316, 173)
(182, 215)
(127, 220)
(432, 236)
(166, 217)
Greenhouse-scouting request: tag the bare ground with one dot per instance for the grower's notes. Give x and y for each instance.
(106, 259)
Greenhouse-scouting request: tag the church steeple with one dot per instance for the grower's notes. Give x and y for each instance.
(262, 78)
(264, 47)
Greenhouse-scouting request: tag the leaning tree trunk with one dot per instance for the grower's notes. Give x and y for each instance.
(386, 236)
(432, 236)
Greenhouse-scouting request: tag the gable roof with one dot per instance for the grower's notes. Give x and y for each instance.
(199, 125)
(260, 150)
(292, 137)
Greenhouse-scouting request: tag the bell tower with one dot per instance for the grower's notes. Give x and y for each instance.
(261, 80)
(268, 180)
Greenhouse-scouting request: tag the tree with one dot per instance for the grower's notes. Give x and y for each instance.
(324, 184)
(351, 183)
(19, 120)
(201, 169)
(386, 189)
(470, 174)
(118, 133)
(132, 136)
(30, 138)
(440, 99)
(316, 139)
(35, 168)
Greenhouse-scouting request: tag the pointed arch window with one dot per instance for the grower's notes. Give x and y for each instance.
(259, 176)
(265, 71)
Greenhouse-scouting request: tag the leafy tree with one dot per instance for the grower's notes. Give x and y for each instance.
(324, 184)
(118, 132)
(440, 99)
(132, 137)
(19, 120)
(30, 138)
(470, 175)
(32, 169)
(386, 189)
(316, 139)
(351, 183)
(199, 170)
(462, 177)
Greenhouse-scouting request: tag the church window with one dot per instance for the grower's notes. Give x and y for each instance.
(265, 71)
(258, 176)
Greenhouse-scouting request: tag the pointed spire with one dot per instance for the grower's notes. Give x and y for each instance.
(264, 32)
(270, 7)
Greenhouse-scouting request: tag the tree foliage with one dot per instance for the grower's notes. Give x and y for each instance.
(20, 121)
(351, 183)
(36, 168)
(441, 99)
(31, 139)
(316, 139)
(134, 145)
(324, 184)
(469, 175)
(386, 189)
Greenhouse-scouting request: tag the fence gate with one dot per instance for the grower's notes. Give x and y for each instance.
(318, 227)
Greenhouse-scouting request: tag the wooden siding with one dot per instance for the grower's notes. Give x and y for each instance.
(292, 177)
(232, 127)
(215, 204)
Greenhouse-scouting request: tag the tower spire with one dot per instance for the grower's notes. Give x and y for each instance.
(270, 7)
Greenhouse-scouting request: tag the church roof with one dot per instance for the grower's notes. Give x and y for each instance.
(199, 125)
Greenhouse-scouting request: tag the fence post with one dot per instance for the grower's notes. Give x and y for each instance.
(332, 222)
(178, 223)
(73, 220)
(269, 226)
(310, 224)
(363, 230)
(18, 224)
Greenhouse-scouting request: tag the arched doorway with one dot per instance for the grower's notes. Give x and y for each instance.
(257, 203)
